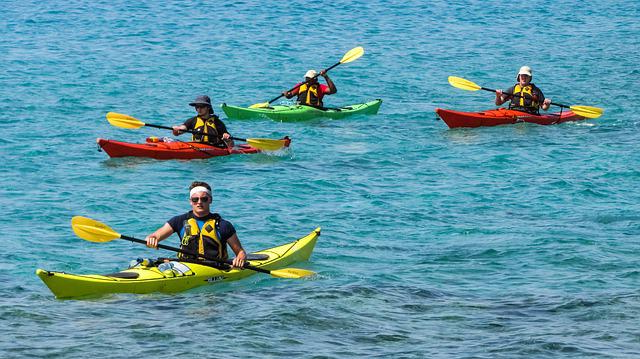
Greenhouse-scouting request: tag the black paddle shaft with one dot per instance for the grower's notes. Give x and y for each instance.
(190, 131)
(514, 95)
(189, 253)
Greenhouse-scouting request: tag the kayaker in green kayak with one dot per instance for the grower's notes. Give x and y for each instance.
(530, 98)
(310, 92)
(201, 231)
(214, 131)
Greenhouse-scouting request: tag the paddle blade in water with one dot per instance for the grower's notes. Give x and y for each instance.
(587, 111)
(124, 121)
(260, 105)
(293, 273)
(352, 55)
(463, 84)
(266, 144)
(91, 230)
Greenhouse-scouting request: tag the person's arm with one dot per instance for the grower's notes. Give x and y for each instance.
(179, 129)
(500, 98)
(332, 86)
(160, 234)
(236, 246)
(546, 102)
(222, 128)
(290, 94)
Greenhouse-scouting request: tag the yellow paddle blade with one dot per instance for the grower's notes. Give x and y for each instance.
(124, 121)
(352, 55)
(266, 144)
(260, 105)
(91, 230)
(463, 84)
(587, 111)
(291, 273)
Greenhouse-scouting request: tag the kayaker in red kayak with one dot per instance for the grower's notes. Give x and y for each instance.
(530, 98)
(213, 130)
(310, 92)
(200, 230)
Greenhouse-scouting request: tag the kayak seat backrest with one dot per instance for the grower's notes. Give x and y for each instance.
(123, 275)
(257, 257)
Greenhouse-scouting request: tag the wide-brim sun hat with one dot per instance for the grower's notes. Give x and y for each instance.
(525, 70)
(201, 100)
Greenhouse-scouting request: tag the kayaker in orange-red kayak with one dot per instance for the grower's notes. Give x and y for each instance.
(214, 131)
(528, 97)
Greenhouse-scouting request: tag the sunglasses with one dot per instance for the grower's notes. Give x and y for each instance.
(204, 199)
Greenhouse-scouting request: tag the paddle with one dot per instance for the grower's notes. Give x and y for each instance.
(350, 56)
(129, 122)
(94, 231)
(584, 111)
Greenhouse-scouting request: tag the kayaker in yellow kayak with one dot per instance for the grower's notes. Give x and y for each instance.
(214, 131)
(530, 98)
(310, 92)
(201, 231)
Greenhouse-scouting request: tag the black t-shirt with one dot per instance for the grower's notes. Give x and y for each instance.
(225, 228)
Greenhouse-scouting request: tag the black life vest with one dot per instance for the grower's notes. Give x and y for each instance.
(203, 239)
(208, 133)
(310, 95)
(525, 99)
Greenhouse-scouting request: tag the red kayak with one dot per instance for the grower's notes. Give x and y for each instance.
(502, 116)
(171, 150)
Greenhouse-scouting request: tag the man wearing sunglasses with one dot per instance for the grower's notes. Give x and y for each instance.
(201, 231)
(210, 128)
(528, 97)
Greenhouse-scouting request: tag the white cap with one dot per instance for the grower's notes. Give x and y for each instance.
(525, 70)
(311, 74)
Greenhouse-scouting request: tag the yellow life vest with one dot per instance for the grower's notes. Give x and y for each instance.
(204, 241)
(308, 95)
(527, 99)
(208, 130)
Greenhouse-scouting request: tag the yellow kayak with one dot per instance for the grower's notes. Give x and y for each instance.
(174, 276)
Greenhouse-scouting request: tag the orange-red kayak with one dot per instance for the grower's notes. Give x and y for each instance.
(170, 150)
(502, 116)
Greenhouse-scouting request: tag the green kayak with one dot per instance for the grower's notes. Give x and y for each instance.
(300, 112)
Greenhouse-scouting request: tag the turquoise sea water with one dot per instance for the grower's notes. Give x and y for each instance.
(503, 242)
